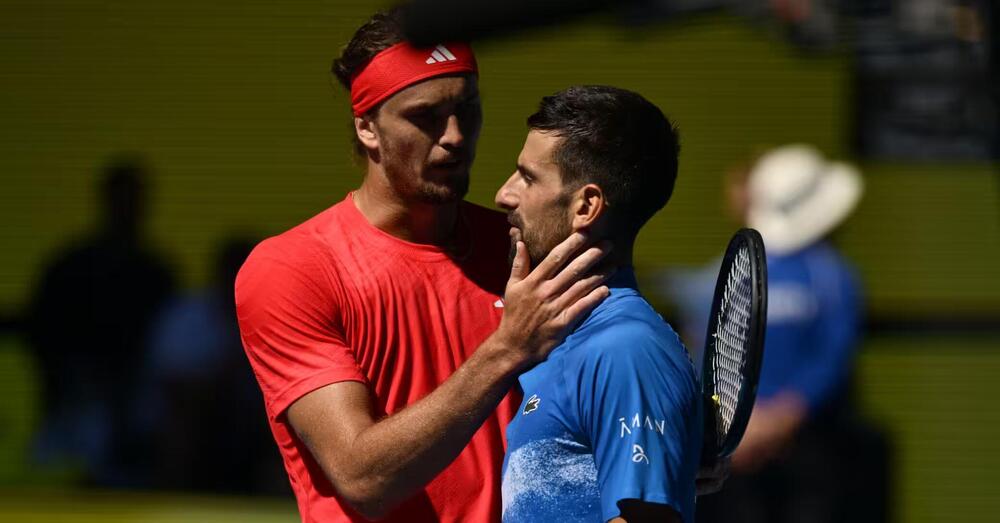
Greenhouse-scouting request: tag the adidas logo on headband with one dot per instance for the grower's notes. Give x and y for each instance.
(402, 65)
(440, 54)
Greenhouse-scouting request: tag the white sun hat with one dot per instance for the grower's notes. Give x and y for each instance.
(797, 196)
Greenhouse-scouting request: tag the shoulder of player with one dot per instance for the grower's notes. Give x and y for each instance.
(289, 250)
(297, 257)
(626, 310)
(307, 240)
(625, 329)
(635, 350)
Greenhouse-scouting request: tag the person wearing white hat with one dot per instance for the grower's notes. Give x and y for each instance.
(795, 197)
(789, 466)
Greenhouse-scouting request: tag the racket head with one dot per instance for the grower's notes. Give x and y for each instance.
(734, 344)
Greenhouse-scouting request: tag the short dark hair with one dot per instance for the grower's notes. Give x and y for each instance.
(382, 31)
(616, 139)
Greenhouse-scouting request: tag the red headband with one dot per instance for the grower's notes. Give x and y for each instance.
(403, 65)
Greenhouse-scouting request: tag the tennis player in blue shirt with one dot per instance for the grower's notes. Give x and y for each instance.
(610, 425)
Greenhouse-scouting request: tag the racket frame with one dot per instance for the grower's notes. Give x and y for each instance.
(712, 449)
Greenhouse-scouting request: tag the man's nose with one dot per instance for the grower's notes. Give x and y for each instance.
(453, 135)
(506, 197)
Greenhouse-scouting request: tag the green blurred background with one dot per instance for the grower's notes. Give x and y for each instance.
(232, 105)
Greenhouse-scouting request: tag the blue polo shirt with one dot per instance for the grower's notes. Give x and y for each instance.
(612, 414)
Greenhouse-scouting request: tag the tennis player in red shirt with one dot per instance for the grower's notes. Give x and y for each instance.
(383, 332)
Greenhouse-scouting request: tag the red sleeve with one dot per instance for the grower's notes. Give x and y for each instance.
(288, 315)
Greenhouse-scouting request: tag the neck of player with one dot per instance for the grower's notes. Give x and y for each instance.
(413, 222)
(622, 243)
(621, 254)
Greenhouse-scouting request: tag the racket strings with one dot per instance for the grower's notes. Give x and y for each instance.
(731, 333)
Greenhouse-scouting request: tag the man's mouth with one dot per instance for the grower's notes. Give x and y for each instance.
(517, 230)
(448, 163)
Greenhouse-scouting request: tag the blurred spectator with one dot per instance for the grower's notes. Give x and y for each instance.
(805, 455)
(202, 404)
(87, 324)
(794, 198)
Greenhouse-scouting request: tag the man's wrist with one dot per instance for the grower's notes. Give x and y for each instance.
(501, 354)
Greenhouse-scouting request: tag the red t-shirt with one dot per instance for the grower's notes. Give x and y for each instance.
(336, 299)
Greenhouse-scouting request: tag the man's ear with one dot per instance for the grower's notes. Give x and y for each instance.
(588, 206)
(364, 127)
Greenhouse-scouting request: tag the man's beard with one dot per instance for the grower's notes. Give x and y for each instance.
(541, 238)
(441, 191)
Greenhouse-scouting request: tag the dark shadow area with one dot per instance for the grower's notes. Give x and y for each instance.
(144, 386)
(87, 325)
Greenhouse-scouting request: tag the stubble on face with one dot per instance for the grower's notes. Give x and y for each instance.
(406, 176)
(544, 232)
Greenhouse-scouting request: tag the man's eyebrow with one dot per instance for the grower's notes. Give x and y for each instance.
(420, 105)
(525, 171)
(423, 104)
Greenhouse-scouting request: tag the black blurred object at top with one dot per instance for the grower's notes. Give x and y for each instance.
(428, 22)
(811, 23)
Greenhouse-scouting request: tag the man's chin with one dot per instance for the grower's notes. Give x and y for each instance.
(444, 192)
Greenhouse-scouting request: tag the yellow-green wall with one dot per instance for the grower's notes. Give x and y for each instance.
(232, 104)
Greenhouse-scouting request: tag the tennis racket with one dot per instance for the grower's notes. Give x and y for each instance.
(734, 345)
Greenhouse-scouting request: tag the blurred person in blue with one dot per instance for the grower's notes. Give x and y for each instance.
(199, 393)
(801, 455)
(610, 424)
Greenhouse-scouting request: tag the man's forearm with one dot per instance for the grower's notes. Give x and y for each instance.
(397, 455)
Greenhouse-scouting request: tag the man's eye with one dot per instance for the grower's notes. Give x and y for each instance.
(422, 116)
